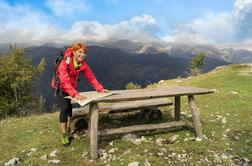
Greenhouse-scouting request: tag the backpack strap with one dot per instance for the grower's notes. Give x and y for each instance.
(68, 60)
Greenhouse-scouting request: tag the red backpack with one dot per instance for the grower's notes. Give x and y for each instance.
(55, 79)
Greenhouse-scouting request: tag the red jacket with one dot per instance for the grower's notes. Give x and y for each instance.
(68, 80)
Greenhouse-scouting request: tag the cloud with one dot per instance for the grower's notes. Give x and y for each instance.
(204, 30)
(138, 28)
(241, 8)
(67, 8)
(234, 26)
(243, 16)
(247, 44)
(25, 24)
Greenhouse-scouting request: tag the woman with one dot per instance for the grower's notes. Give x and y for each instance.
(68, 74)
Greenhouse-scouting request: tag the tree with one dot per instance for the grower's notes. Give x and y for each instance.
(17, 82)
(197, 63)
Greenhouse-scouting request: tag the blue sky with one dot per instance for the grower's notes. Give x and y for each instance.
(113, 11)
(181, 21)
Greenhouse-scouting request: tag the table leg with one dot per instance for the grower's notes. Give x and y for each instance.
(94, 116)
(89, 121)
(195, 117)
(177, 108)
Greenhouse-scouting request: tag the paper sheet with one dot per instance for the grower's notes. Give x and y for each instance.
(90, 97)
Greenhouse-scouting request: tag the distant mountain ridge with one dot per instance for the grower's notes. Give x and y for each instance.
(227, 53)
(183, 50)
(237, 56)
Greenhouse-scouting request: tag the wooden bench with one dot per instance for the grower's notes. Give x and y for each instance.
(148, 108)
(125, 106)
(143, 94)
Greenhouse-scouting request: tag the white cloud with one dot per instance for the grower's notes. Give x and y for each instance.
(241, 8)
(247, 44)
(67, 8)
(24, 24)
(234, 26)
(139, 28)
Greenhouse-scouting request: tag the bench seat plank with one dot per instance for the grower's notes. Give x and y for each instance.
(139, 104)
(122, 106)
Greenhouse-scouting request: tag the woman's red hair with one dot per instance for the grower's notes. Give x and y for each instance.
(77, 46)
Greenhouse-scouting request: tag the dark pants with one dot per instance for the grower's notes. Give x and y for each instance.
(65, 107)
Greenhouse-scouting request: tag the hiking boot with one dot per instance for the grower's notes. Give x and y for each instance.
(64, 139)
(70, 135)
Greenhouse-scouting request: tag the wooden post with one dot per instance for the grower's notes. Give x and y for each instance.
(177, 108)
(195, 117)
(94, 116)
(89, 120)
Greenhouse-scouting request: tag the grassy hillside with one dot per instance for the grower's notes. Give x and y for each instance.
(226, 117)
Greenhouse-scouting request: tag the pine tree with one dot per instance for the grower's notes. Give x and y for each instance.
(197, 63)
(17, 81)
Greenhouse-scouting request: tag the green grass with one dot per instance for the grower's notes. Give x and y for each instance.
(232, 101)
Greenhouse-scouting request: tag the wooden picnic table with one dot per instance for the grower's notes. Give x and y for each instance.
(141, 94)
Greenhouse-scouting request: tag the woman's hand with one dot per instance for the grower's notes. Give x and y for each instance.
(80, 97)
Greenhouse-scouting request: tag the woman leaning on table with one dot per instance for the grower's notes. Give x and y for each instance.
(68, 73)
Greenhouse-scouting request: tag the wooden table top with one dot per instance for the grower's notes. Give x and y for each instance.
(138, 94)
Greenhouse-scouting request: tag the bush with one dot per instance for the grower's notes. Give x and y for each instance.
(132, 85)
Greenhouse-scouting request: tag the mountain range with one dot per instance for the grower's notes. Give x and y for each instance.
(229, 54)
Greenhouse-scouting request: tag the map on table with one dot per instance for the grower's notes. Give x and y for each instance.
(90, 96)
